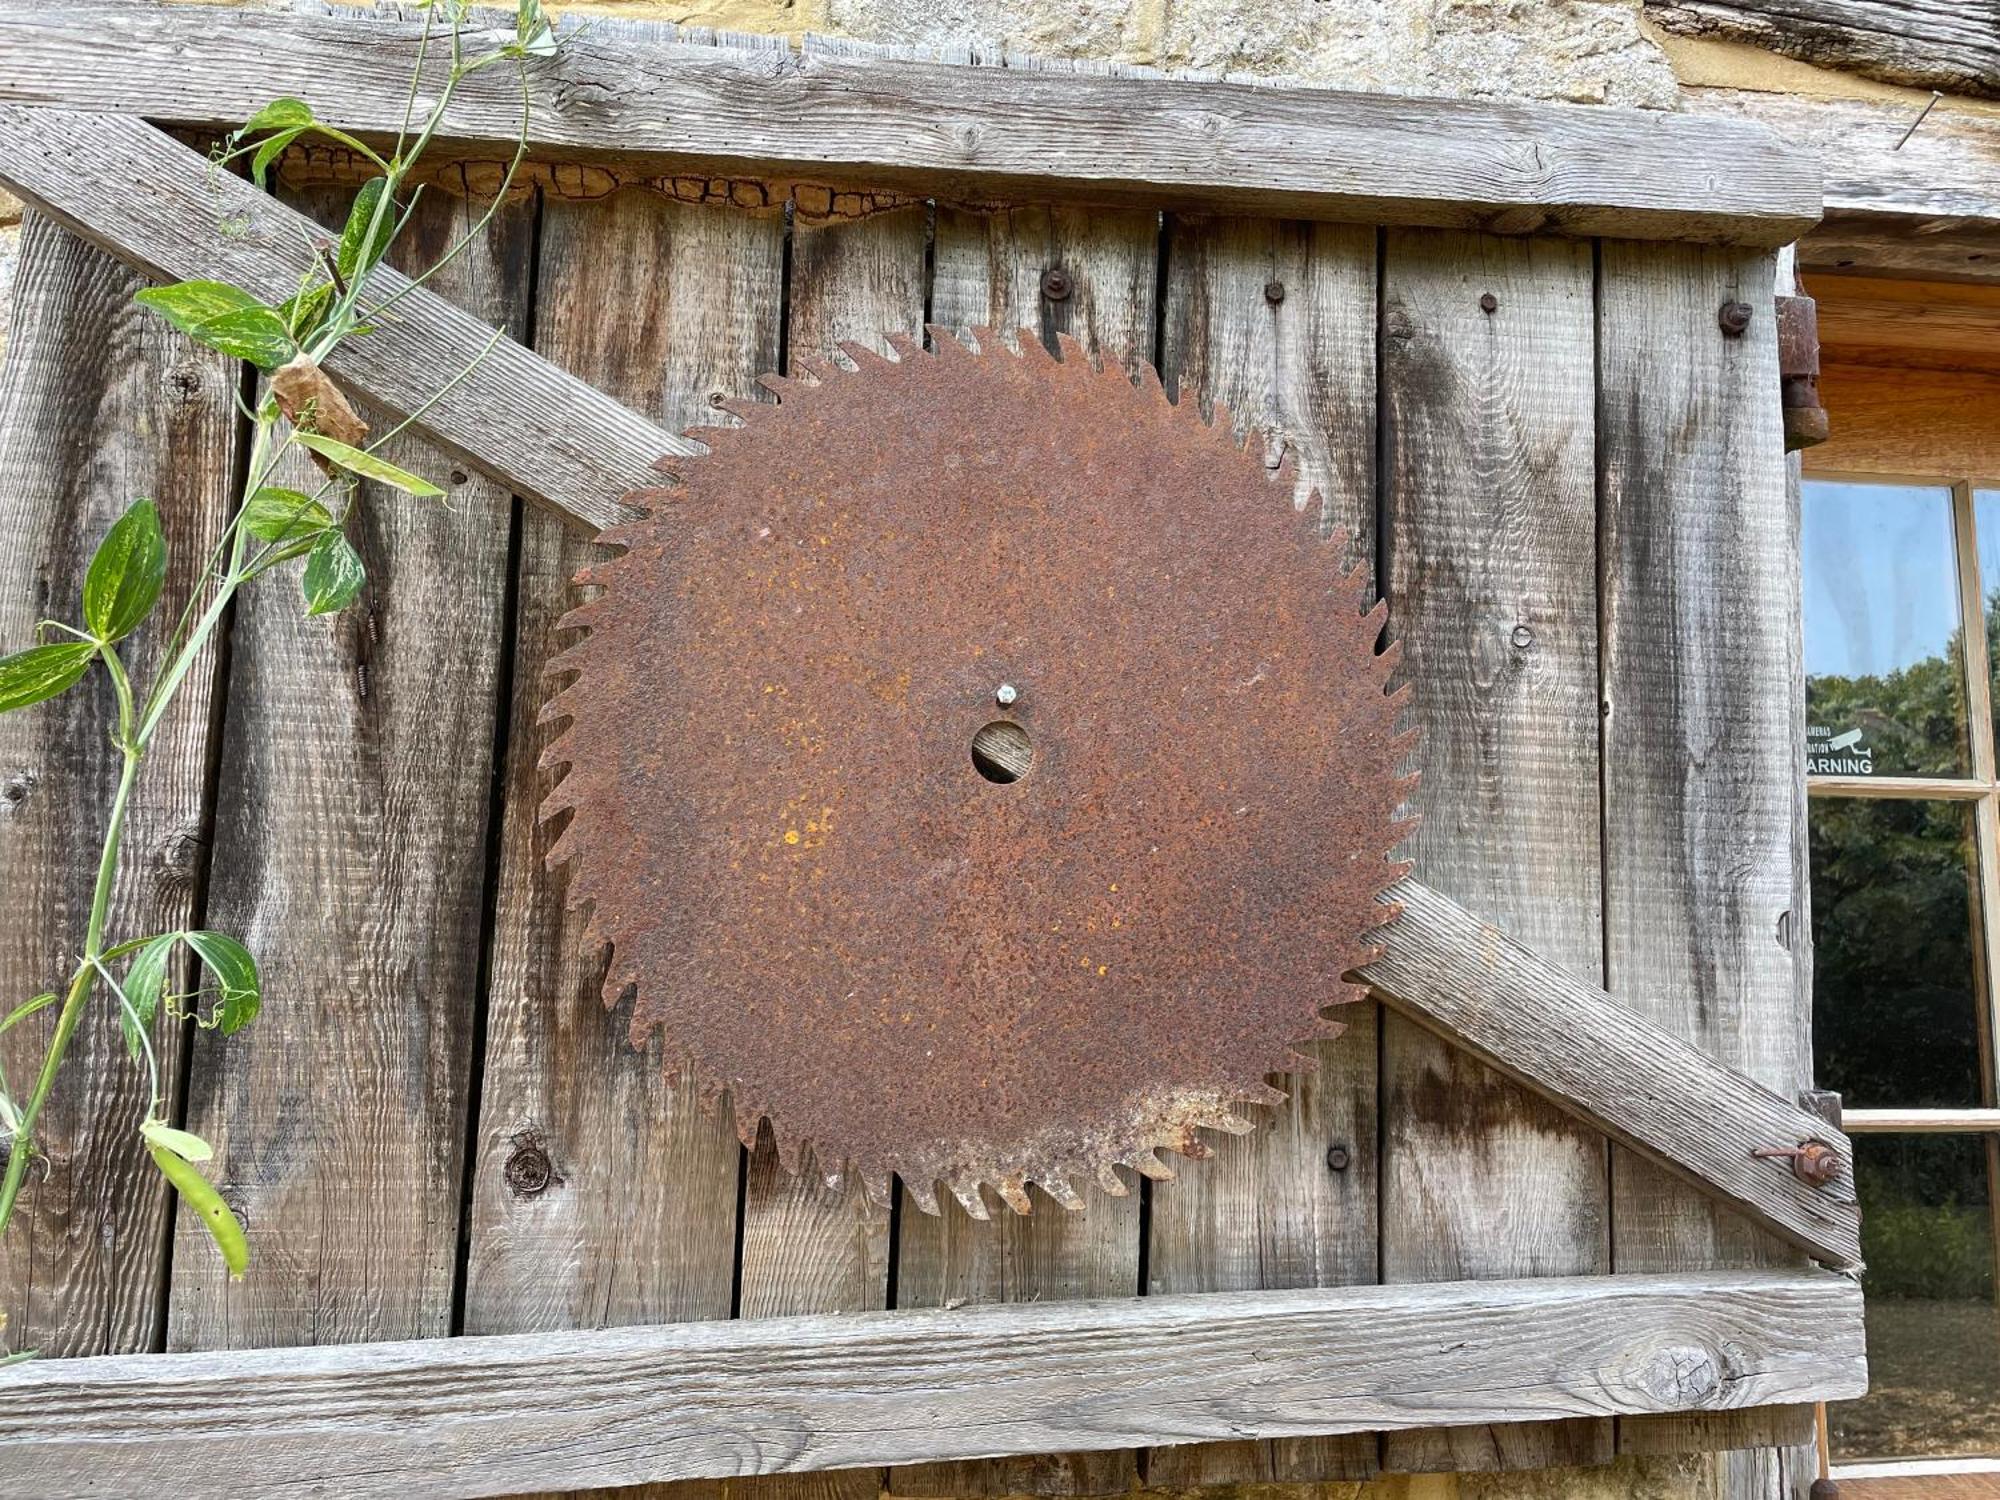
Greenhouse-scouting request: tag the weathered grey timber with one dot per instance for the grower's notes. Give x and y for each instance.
(1489, 505)
(1947, 44)
(1605, 1063)
(966, 132)
(158, 206)
(1275, 321)
(156, 420)
(489, 1416)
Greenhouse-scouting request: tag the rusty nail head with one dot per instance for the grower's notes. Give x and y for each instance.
(1523, 637)
(1337, 1158)
(528, 1171)
(1816, 1163)
(1488, 303)
(1005, 694)
(1274, 292)
(1734, 318)
(1056, 285)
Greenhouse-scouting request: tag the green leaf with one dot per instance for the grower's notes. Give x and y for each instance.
(201, 1196)
(304, 311)
(333, 575)
(126, 575)
(359, 219)
(235, 971)
(183, 1143)
(144, 981)
(367, 465)
(280, 114)
(286, 516)
(41, 672)
(256, 334)
(26, 1009)
(186, 304)
(223, 317)
(272, 148)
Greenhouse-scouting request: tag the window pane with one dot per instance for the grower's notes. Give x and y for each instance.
(1933, 1333)
(1885, 684)
(1895, 1018)
(1986, 523)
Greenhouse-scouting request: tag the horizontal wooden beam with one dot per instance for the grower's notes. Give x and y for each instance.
(1600, 1060)
(544, 433)
(1953, 45)
(955, 130)
(1923, 204)
(159, 207)
(577, 1410)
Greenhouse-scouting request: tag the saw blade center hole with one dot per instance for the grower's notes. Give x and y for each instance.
(1002, 752)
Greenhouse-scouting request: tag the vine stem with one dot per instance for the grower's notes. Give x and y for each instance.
(23, 1146)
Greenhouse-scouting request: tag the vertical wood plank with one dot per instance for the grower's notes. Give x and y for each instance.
(101, 403)
(1703, 724)
(1276, 321)
(602, 1193)
(987, 271)
(1490, 533)
(808, 1247)
(350, 854)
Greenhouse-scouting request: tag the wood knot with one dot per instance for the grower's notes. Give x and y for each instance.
(1683, 1376)
(529, 1173)
(15, 789)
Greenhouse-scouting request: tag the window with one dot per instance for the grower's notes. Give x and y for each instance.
(1902, 605)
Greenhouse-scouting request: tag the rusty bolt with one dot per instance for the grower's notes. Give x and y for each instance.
(1815, 1163)
(1488, 303)
(1733, 317)
(1056, 285)
(529, 1171)
(1274, 292)
(1337, 1158)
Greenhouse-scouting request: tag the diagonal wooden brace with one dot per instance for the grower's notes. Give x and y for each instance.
(159, 207)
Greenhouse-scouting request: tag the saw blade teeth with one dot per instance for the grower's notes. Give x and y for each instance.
(906, 348)
(1071, 351)
(1028, 344)
(816, 367)
(1059, 1188)
(946, 343)
(923, 1195)
(877, 1187)
(1109, 1180)
(1013, 1192)
(970, 1199)
(865, 356)
(985, 340)
(1148, 1164)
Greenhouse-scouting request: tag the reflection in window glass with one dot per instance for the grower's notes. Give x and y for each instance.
(1885, 687)
(1933, 1331)
(1895, 1020)
(1986, 525)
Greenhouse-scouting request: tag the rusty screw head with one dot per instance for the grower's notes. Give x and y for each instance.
(1733, 318)
(1488, 303)
(528, 1172)
(1274, 292)
(1056, 284)
(1338, 1158)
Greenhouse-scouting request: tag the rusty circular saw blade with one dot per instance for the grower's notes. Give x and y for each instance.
(777, 823)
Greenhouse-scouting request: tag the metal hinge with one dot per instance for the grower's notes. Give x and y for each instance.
(1798, 373)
